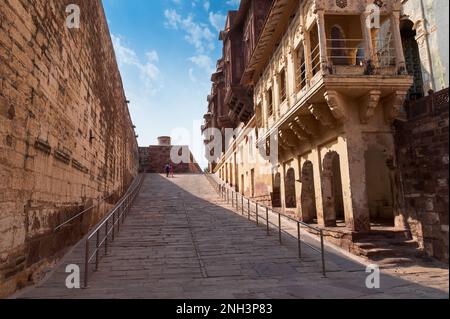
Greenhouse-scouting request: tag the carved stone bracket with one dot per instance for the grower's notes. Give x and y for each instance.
(300, 133)
(282, 142)
(368, 105)
(288, 138)
(322, 113)
(308, 124)
(336, 103)
(392, 105)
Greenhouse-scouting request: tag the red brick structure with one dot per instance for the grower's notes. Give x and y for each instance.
(154, 158)
(230, 102)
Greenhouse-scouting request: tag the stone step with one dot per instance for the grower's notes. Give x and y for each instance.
(394, 261)
(381, 234)
(378, 252)
(394, 244)
(389, 252)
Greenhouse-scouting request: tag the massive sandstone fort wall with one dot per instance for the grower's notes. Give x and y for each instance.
(66, 137)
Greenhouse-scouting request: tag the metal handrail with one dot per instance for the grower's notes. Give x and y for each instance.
(115, 218)
(224, 193)
(100, 200)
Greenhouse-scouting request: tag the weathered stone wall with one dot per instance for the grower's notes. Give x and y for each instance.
(66, 136)
(431, 25)
(423, 161)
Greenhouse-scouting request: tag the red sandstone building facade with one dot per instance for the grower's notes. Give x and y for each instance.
(360, 131)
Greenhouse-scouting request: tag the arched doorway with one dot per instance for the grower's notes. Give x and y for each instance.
(308, 195)
(333, 200)
(289, 186)
(379, 187)
(276, 192)
(412, 59)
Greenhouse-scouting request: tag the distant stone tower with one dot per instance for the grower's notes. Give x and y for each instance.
(164, 141)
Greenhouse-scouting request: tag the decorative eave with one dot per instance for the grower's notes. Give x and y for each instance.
(276, 21)
(241, 13)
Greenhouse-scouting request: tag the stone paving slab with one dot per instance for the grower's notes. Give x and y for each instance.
(181, 240)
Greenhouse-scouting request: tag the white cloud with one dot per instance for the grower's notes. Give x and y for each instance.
(233, 3)
(152, 56)
(204, 62)
(197, 34)
(192, 76)
(217, 20)
(148, 72)
(172, 18)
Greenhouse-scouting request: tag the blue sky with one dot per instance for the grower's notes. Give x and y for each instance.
(166, 51)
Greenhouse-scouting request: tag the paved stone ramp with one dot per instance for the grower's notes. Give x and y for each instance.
(182, 241)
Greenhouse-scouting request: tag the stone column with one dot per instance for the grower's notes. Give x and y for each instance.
(282, 170)
(298, 186)
(276, 95)
(322, 41)
(307, 52)
(265, 118)
(290, 77)
(368, 47)
(353, 172)
(395, 25)
(317, 167)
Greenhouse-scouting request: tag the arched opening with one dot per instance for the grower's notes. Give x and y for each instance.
(276, 192)
(333, 200)
(308, 195)
(379, 187)
(412, 59)
(338, 52)
(289, 184)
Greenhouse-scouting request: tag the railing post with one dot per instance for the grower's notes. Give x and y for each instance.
(257, 215)
(242, 204)
(299, 241)
(267, 220)
(97, 253)
(323, 253)
(248, 204)
(113, 226)
(106, 237)
(86, 264)
(232, 199)
(118, 221)
(279, 227)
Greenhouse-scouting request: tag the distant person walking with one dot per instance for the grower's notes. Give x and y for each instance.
(171, 170)
(167, 169)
